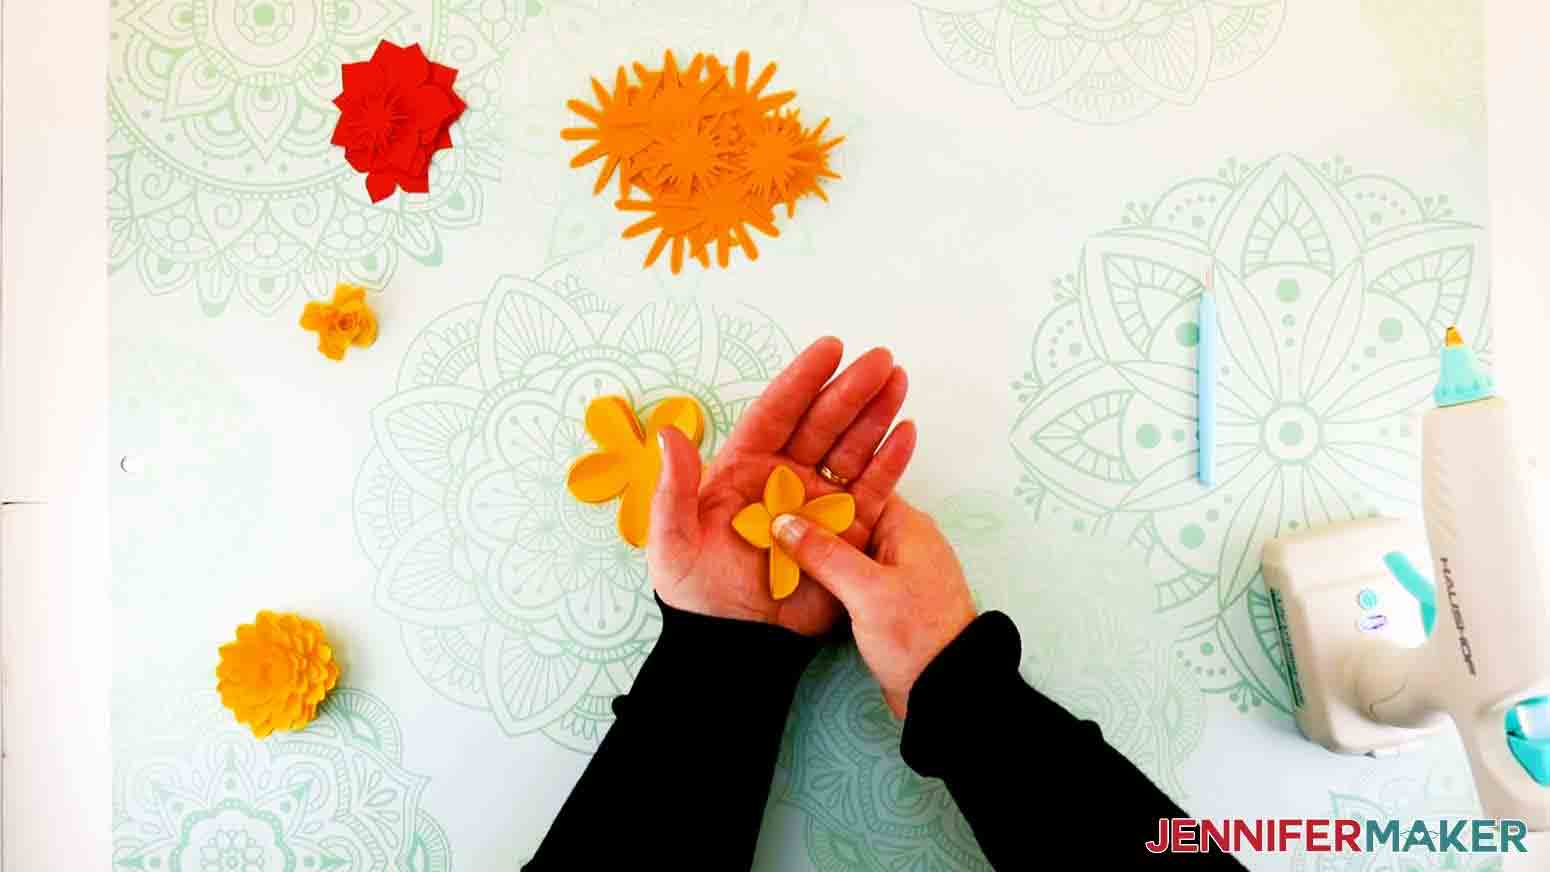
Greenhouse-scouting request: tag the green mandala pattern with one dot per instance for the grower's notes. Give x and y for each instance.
(205, 796)
(1334, 289)
(865, 809)
(221, 174)
(514, 596)
(1108, 659)
(577, 39)
(1438, 786)
(1100, 61)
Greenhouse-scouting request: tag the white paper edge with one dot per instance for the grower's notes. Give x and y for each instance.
(55, 647)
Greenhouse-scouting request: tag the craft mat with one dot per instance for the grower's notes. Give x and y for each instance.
(1031, 194)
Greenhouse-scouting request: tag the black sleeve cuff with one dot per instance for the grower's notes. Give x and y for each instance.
(977, 669)
(744, 665)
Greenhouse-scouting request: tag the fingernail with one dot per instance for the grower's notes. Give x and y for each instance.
(787, 528)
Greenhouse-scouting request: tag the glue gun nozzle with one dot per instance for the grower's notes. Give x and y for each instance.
(1453, 338)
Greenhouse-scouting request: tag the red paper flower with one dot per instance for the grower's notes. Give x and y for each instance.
(393, 115)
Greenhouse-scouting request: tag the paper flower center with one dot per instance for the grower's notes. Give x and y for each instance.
(380, 119)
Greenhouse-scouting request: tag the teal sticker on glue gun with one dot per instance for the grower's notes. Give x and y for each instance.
(1462, 379)
(1528, 736)
(1415, 584)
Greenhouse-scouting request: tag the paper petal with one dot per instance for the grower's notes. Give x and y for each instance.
(401, 153)
(360, 159)
(833, 512)
(414, 183)
(430, 108)
(784, 574)
(680, 412)
(610, 421)
(598, 477)
(411, 67)
(344, 293)
(316, 316)
(753, 524)
(386, 52)
(635, 513)
(380, 186)
(368, 330)
(443, 75)
(361, 77)
(333, 344)
(783, 492)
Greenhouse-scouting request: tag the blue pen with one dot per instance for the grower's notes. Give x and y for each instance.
(1205, 386)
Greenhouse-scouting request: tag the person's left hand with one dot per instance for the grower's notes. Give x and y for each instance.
(698, 563)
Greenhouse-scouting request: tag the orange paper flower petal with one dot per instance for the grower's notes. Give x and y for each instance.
(680, 412)
(783, 492)
(598, 477)
(333, 345)
(315, 316)
(367, 334)
(784, 574)
(725, 213)
(833, 512)
(618, 133)
(348, 293)
(610, 421)
(753, 524)
(762, 103)
(635, 512)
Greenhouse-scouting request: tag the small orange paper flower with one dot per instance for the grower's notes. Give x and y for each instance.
(276, 673)
(630, 460)
(719, 215)
(711, 152)
(617, 132)
(784, 495)
(342, 323)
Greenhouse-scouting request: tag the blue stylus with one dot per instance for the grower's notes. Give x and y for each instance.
(1205, 386)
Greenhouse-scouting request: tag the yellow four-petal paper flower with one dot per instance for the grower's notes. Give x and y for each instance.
(784, 495)
(630, 460)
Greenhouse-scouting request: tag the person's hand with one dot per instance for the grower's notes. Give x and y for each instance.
(905, 606)
(699, 563)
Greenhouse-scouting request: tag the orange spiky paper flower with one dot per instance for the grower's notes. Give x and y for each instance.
(712, 153)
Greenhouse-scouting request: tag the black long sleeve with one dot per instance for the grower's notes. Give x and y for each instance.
(684, 772)
(1105, 801)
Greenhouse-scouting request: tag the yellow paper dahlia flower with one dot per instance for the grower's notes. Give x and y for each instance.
(276, 672)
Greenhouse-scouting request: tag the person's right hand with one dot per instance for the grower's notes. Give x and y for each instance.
(905, 605)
